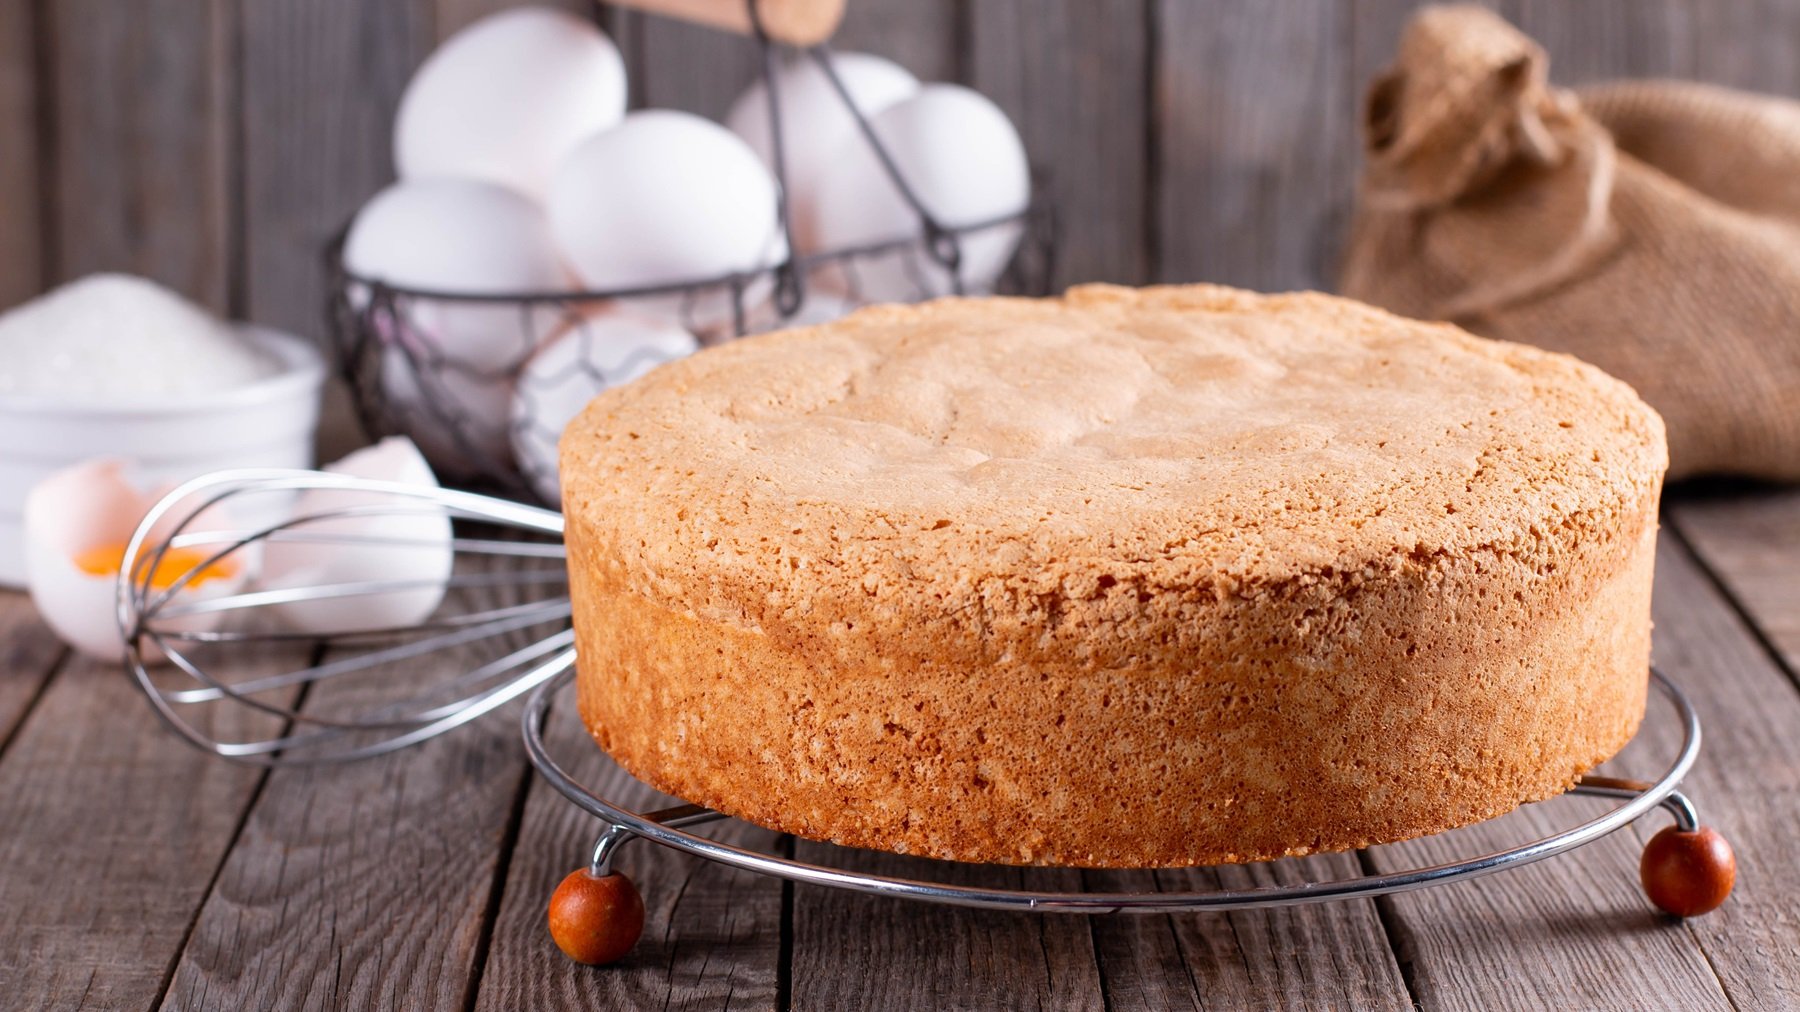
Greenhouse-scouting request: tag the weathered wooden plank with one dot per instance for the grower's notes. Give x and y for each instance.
(703, 70)
(712, 935)
(1598, 40)
(923, 36)
(1751, 540)
(21, 195)
(1571, 932)
(365, 885)
(1143, 961)
(1747, 44)
(142, 131)
(1073, 75)
(450, 16)
(677, 65)
(317, 81)
(1255, 125)
(112, 831)
(29, 655)
(1747, 782)
(1333, 956)
(856, 951)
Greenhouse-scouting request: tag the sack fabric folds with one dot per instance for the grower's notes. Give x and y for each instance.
(1651, 228)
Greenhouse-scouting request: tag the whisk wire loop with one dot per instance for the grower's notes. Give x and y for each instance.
(404, 611)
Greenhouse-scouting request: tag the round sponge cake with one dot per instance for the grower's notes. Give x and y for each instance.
(1151, 577)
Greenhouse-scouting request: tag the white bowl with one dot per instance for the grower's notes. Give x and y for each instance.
(268, 423)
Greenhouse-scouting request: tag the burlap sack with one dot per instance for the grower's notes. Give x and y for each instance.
(1651, 228)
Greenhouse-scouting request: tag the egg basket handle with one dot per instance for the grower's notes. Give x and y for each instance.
(795, 22)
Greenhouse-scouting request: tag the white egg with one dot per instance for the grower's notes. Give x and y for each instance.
(604, 350)
(506, 98)
(449, 364)
(815, 122)
(662, 198)
(456, 235)
(410, 549)
(77, 524)
(963, 160)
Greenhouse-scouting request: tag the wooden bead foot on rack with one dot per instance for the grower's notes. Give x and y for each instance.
(1688, 872)
(596, 919)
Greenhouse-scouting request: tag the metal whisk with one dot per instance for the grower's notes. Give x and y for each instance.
(370, 616)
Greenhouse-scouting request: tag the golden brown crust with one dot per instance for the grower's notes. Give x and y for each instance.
(1129, 578)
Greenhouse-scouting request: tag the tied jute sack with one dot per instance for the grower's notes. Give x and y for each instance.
(1650, 228)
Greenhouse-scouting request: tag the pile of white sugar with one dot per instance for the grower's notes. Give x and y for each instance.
(113, 335)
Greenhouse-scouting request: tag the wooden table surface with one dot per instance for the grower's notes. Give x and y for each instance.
(137, 873)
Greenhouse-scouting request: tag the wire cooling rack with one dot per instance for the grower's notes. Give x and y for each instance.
(669, 828)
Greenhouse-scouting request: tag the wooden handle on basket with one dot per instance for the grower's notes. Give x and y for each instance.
(795, 22)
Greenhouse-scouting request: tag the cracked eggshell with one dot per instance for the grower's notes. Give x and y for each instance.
(408, 546)
(77, 524)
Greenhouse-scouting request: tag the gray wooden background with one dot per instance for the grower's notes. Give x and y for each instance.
(215, 145)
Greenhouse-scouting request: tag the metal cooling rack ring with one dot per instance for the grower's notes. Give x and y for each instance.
(667, 827)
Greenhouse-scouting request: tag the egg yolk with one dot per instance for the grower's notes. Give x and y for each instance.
(175, 563)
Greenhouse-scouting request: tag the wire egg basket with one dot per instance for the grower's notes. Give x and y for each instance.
(461, 412)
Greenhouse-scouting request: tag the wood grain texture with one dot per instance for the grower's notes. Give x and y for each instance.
(712, 935)
(857, 951)
(677, 65)
(1255, 124)
(451, 16)
(1570, 932)
(142, 114)
(111, 830)
(1747, 782)
(21, 192)
(366, 885)
(1597, 40)
(1143, 961)
(318, 82)
(1746, 44)
(1333, 956)
(924, 36)
(363, 886)
(1074, 77)
(29, 656)
(1750, 539)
